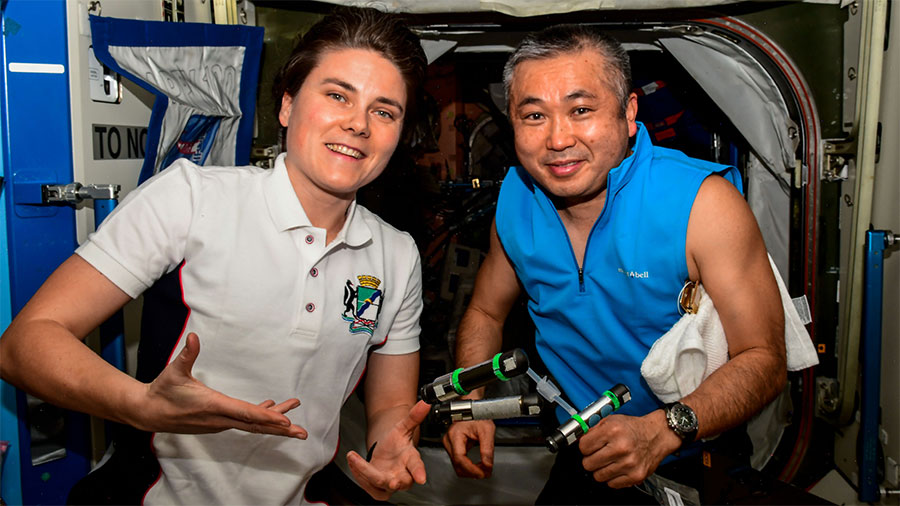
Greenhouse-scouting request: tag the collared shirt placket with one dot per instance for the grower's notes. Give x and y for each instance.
(311, 301)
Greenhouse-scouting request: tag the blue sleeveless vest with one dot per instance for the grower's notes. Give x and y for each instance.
(593, 330)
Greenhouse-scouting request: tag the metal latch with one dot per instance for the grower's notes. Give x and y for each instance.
(837, 159)
(263, 156)
(827, 394)
(76, 192)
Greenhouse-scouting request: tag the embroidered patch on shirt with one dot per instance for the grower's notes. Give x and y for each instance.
(635, 274)
(362, 304)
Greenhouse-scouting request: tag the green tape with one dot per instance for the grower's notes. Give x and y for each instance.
(497, 372)
(454, 380)
(613, 398)
(580, 421)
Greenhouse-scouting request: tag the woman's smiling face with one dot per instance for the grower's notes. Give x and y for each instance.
(344, 123)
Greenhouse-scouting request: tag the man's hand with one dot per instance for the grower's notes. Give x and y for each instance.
(623, 450)
(461, 437)
(395, 463)
(176, 402)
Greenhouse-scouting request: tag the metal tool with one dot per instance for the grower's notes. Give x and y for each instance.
(577, 426)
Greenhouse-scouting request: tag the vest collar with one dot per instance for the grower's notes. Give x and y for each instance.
(641, 153)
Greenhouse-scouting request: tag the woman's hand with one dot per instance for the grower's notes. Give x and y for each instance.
(176, 402)
(396, 463)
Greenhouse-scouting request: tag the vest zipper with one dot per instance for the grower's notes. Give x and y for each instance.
(581, 288)
(580, 268)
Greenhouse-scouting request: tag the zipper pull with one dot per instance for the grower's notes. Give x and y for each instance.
(581, 279)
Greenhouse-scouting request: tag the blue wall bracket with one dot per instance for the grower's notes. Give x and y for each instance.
(877, 241)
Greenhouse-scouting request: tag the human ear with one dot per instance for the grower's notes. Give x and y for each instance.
(284, 116)
(631, 114)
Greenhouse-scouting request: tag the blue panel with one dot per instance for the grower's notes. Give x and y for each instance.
(10, 478)
(37, 148)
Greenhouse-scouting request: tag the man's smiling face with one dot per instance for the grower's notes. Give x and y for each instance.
(569, 127)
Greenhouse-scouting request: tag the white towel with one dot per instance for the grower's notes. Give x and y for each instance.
(695, 347)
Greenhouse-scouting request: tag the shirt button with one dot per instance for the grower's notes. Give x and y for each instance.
(310, 307)
(314, 272)
(310, 239)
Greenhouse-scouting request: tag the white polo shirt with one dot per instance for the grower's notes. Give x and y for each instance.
(279, 315)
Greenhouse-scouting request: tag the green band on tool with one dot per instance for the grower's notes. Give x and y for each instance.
(580, 421)
(497, 372)
(454, 379)
(613, 398)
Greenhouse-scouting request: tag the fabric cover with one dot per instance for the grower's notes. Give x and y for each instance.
(204, 77)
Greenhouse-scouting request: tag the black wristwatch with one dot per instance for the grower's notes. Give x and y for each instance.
(682, 420)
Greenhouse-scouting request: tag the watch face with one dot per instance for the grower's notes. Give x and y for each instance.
(683, 418)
